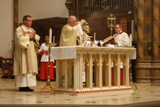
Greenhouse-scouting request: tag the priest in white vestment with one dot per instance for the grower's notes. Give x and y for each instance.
(71, 31)
(25, 57)
(120, 38)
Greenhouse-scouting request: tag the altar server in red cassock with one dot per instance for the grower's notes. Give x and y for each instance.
(44, 61)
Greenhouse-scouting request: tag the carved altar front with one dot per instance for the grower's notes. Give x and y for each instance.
(101, 66)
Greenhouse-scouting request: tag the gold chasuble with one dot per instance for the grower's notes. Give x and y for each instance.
(25, 58)
(68, 36)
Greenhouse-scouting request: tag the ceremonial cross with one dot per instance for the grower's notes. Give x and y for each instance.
(111, 22)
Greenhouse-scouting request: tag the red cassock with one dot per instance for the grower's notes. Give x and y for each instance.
(44, 65)
(121, 76)
(44, 71)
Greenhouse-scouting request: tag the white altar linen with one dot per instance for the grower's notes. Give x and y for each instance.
(64, 52)
(133, 55)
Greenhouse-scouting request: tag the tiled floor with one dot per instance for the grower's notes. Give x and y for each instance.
(144, 96)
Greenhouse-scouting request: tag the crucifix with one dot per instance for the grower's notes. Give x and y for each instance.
(111, 22)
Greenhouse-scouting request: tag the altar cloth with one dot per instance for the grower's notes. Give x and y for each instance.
(64, 52)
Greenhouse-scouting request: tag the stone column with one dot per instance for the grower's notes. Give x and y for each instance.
(155, 72)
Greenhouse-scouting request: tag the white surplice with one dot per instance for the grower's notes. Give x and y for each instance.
(122, 38)
(44, 57)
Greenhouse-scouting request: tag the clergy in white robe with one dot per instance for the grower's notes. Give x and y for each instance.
(71, 31)
(25, 57)
(120, 38)
(82, 36)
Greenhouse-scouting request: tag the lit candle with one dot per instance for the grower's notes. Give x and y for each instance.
(50, 35)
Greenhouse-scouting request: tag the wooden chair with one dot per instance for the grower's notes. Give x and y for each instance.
(7, 67)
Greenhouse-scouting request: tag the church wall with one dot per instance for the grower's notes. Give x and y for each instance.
(6, 28)
(40, 9)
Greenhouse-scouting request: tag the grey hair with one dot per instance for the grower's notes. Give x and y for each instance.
(70, 18)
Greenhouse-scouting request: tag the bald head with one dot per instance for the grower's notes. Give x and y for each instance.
(72, 21)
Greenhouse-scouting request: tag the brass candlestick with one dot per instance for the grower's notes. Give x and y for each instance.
(86, 27)
(111, 22)
(48, 78)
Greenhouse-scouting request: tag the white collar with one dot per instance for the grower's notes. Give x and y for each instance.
(24, 26)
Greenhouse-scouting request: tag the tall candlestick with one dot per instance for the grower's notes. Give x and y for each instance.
(53, 40)
(94, 36)
(130, 39)
(50, 35)
(132, 29)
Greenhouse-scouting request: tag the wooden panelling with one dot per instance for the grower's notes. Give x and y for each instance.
(42, 27)
(98, 21)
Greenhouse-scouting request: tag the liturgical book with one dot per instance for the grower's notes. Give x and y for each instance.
(108, 39)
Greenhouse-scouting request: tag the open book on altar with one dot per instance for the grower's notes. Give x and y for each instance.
(107, 40)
